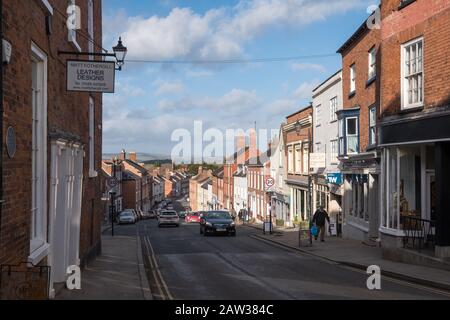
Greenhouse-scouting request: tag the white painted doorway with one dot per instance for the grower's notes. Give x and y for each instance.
(65, 207)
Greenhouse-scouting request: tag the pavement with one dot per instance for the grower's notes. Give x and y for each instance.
(359, 255)
(118, 274)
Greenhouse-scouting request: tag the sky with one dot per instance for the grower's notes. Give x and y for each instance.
(152, 100)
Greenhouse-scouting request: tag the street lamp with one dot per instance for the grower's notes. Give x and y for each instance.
(298, 127)
(120, 52)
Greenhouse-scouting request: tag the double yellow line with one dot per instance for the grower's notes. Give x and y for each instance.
(164, 292)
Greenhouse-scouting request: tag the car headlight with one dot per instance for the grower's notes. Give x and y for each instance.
(209, 224)
(232, 224)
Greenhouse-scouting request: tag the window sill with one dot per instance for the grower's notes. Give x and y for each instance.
(39, 254)
(404, 4)
(411, 109)
(370, 81)
(352, 94)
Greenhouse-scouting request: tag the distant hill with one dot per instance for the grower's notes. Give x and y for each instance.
(142, 157)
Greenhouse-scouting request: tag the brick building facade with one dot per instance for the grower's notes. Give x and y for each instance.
(52, 209)
(414, 126)
(298, 139)
(358, 155)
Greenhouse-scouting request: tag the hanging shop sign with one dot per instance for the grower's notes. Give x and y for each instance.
(318, 160)
(90, 76)
(334, 178)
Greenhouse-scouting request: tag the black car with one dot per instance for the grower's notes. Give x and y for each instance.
(217, 222)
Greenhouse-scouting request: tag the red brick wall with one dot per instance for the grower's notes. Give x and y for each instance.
(129, 194)
(366, 95)
(424, 18)
(294, 136)
(24, 22)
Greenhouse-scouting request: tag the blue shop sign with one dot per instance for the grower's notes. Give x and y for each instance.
(334, 178)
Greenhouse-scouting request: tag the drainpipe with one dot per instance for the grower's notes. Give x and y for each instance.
(1, 117)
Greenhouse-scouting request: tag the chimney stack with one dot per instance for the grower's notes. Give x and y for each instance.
(253, 153)
(132, 156)
(123, 155)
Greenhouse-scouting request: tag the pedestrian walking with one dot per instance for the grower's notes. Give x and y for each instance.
(320, 218)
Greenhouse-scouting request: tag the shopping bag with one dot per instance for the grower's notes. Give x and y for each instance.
(314, 231)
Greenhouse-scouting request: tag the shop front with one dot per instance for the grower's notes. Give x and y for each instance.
(415, 203)
(361, 197)
(299, 203)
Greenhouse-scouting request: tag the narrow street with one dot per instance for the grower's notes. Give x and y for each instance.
(182, 264)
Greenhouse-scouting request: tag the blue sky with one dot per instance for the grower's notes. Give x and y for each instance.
(152, 100)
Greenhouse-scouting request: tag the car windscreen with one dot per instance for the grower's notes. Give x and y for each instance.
(126, 214)
(218, 215)
(169, 213)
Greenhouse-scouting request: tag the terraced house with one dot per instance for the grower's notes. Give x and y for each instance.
(414, 135)
(51, 207)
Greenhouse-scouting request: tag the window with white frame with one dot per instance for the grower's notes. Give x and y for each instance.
(334, 151)
(318, 115)
(372, 126)
(305, 158)
(412, 74)
(352, 135)
(298, 159)
(291, 159)
(38, 236)
(333, 109)
(92, 172)
(341, 137)
(372, 63)
(352, 78)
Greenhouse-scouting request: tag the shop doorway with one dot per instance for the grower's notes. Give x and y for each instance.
(430, 213)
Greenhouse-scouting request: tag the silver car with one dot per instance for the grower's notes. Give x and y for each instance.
(127, 217)
(168, 218)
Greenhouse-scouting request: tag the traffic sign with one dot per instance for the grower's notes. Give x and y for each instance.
(270, 183)
(112, 182)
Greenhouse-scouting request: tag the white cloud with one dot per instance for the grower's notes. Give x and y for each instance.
(218, 33)
(308, 66)
(304, 91)
(168, 88)
(234, 102)
(282, 107)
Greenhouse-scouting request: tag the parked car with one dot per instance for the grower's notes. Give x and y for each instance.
(127, 217)
(193, 217)
(168, 218)
(133, 212)
(217, 222)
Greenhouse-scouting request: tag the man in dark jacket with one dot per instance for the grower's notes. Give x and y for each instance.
(320, 218)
